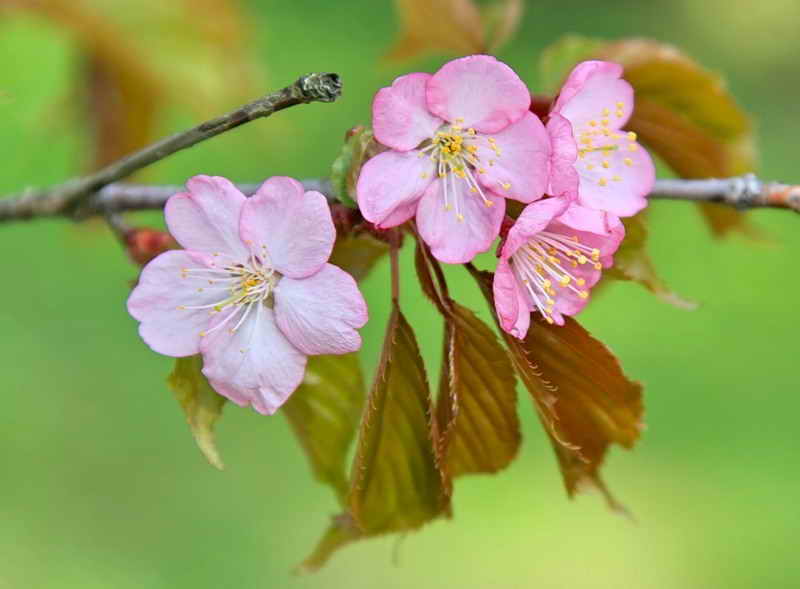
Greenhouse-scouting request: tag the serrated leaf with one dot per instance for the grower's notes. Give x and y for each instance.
(477, 406)
(450, 26)
(324, 413)
(632, 262)
(581, 395)
(397, 484)
(357, 254)
(201, 404)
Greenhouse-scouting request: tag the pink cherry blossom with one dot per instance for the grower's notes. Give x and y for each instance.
(599, 161)
(461, 141)
(252, 290)
(553, 254)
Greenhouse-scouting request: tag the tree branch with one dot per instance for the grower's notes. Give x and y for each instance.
(66, 199)
(743, 192)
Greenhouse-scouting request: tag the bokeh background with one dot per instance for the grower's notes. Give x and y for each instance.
(100, 483)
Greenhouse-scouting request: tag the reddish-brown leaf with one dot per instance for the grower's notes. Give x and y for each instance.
(450, 26)
(582, 396)
(358, 253)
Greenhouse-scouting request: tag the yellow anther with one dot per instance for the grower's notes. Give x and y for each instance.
(602, 182)
(460, 218)
(424, 175)
(628, 161)
(442, 174)
(632, 136)
(546, 284)
(616, 178)
(620, 105)
(550, 302)
(202, 334)
(632, 147)
(580, 282)
(471, 131)
(481, 171)
(583, 294)
(549, 319)
(593, 123)
(620, 114)
(582, 259)
(506, 186)
(473, 189)
(491, 140)
(606, 164)
(598, 266)
(488, 203)
(590, 167)
(606, 112)
(564, 280)
(595, 254)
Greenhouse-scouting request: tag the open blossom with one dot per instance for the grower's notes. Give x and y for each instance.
(553, 254)
(252, 292)
(591, 155)
(461, 141)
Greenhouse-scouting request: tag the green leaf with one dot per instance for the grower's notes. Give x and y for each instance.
(358, 147)
(358, 254)
(477, 406)
(201, 404)
(559, 58)
(324, 413)
(581, 395)
(397, 484)
(632, 262)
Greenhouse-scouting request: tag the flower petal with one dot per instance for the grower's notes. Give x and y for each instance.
(255, 365)
(519, 163)
(320, 314)
(164, 288)
(400, 116)
(594, 91)
(452, 240)
(206, 218)
(564, 152)
(533, 219)
(509, 301)
(478, 91)
(390, 184)
(294, 226)
(618, 180)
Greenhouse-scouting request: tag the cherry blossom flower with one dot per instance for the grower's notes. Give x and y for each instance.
(252, 290)
(553, 254)
(599, 161)
(461, 141)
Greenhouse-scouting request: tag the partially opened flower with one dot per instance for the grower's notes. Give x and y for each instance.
(553, 254)
(462, 140)
(614, 172)
(252, 291)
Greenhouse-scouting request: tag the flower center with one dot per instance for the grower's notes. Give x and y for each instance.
(541, 266)
(455, 151)
(237, 286)
(598, 142)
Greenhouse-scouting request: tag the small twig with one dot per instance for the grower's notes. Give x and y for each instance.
(743, 192)
(65, 199)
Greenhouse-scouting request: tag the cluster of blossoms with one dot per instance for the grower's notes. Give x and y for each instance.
(463, 140)
(252, 290)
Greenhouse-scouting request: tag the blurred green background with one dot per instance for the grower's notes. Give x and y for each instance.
(101, 485)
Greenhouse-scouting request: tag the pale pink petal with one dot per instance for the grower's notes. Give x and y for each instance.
(617, 180)
(595, 92)
(206, 218)
(400, 116)
(160, 298)
(290, 229)
(255, 365)
(518, 167)
(595, 229)
(509, 301)
(564, 152)
(533, 219)
(479, 92)
(390, 184)
(455, 240)
(320, 314)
